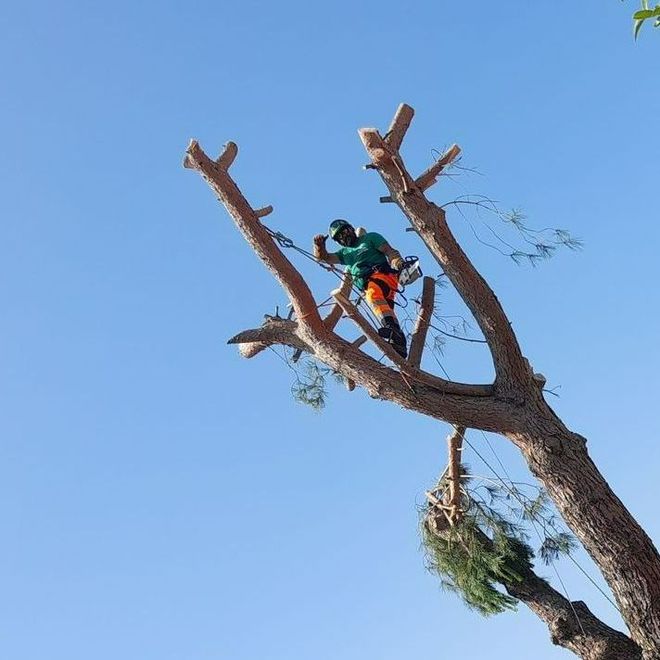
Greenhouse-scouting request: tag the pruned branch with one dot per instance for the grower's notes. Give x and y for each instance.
(252, 349)
(400, 123)
(263, 212)
(226, 158)
(418, 338)
(246, 219)
(454, 447)
(337, 312)
(428, 178)
(273, 331)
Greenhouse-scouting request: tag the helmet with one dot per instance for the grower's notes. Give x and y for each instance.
(336, 226)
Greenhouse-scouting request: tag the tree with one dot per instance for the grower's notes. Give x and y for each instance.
(513, 406)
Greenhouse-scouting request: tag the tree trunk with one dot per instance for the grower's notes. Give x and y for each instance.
(626, 556)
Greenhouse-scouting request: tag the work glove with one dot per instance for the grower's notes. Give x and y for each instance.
(397, 263)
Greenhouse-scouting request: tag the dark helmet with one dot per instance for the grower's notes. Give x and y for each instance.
(336, 226)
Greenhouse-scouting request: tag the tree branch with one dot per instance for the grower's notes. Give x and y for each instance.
(273, 331)
(337, 312)
(257, 236)
(418, 338)
(454, 447)
(383, 382)
(430, 223)
(252, 349)
(400, 123)
(428, 178)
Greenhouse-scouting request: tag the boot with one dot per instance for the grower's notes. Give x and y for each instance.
(392, 333)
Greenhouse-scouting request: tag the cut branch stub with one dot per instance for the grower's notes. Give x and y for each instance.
(428, 178)
(227, 157)
(454, 446)
(337, 312)
(400, 123)
(266, 210)
(247, 221)
(253, 348)
(422, 325)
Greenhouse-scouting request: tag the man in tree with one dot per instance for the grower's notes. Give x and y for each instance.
(374, 266)
(513, 404)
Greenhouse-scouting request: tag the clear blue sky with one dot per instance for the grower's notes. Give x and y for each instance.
(162, 499)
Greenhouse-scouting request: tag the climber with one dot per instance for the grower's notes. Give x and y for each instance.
(374, 266)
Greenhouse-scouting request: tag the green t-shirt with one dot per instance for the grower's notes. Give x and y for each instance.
(362, 257)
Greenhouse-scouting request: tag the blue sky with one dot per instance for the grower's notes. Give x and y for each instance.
(161, 498)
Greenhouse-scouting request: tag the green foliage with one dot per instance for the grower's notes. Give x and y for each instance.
(645, 14)
(489, 545)
(526, 245)
(309, 386)
(555, 545)
(470, 568)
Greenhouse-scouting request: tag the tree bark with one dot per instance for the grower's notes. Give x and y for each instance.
(625, 555)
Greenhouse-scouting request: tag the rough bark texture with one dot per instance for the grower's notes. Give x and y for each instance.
(418, 338)
(513, 405)
(454, 447)
(624, 553)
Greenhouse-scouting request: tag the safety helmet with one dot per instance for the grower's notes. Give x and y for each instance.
(336, 226)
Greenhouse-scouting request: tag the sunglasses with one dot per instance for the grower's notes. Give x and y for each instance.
(343, 234)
